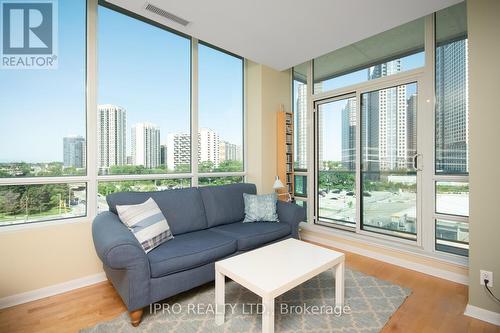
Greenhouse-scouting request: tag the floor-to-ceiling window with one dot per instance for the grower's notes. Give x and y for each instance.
(452, 131)
(114, 108)
(379, 141)
(301, 133)
(143, 105)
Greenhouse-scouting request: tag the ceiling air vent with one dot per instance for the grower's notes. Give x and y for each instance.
(169, 16)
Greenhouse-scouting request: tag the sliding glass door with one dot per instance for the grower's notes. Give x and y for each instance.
(381, 126)
(336, 161)
(389, 161)
(388, 148)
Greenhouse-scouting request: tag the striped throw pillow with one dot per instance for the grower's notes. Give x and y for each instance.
(147, 223)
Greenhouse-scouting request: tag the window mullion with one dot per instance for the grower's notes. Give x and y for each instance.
(310, 137)
(91, 108)
(194, 112)
(358, 162)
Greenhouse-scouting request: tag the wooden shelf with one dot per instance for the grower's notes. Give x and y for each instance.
(285, 137)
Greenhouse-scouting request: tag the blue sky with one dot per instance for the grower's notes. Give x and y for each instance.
(144, 69)
(39, 107)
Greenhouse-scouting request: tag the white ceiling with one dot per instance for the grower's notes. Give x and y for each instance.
(284, 33)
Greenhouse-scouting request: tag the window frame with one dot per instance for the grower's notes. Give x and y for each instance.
(442, 177)
(91, 179)
(426, 228)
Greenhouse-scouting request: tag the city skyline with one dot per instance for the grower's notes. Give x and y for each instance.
(145, 145)
(451, 113)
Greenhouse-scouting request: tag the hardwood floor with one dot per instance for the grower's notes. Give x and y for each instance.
(435, 305)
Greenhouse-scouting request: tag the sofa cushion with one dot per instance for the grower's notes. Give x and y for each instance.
(253, 235)
(260, 207)
(188, 251)
(224, 204)
(183, 208)
(147, 223)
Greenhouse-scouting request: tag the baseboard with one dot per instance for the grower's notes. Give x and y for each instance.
(51, 290)
(440, 273)
(482, 314)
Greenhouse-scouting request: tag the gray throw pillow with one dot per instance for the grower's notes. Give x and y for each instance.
(260, 207)
(146, 222)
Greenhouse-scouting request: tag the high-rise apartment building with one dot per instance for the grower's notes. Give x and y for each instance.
(229, 151)
(211, 149)
(178, 150)
(145, 139)
(349, 135)
(411, 125)
(301, 127)
(208, 143)
(452, 121)
(74, 152)
(387, 109)
(163, 155)
(111, 136)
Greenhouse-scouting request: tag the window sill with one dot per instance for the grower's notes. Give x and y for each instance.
(399, 247)
(43, 224)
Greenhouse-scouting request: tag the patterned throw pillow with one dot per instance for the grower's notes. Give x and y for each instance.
(260, 207)
(147, 223)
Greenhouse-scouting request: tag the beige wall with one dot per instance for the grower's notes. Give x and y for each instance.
(484, 140)
(46, 255)
(267, 89)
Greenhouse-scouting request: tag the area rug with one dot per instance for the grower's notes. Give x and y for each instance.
(369, 303)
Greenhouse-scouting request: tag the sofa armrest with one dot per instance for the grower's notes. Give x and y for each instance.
(292, 214)
(115, 245)
(125, 262)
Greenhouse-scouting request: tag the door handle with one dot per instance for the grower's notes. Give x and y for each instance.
(415, 162)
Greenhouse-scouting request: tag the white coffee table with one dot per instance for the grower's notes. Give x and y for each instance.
(272, 270)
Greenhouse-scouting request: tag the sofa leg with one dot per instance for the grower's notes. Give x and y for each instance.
(136, 317)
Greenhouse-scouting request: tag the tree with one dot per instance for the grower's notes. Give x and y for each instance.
(9, 202)
(230, 166)
(182, 168)
(206, 166)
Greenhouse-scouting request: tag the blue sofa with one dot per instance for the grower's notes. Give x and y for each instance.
(207, 226)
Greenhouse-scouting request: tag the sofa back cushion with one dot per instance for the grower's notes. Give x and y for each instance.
(224, 204)
(183, 208)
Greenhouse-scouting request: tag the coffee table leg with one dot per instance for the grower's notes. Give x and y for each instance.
(219, 298)
(339, 285)
(268, 315)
